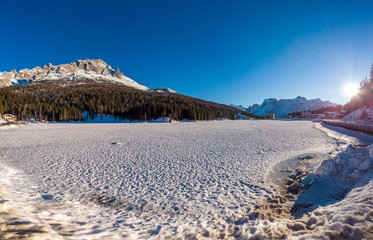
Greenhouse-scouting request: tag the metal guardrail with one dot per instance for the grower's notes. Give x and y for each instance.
(360, 127)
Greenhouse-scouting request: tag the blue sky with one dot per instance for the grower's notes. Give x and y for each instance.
(238, 52)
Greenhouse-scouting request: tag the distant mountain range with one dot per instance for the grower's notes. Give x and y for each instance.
(281, 108)
(93, 69)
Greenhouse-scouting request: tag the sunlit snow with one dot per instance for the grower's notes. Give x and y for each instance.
(152, 180)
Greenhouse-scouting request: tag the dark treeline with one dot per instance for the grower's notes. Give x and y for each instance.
(364, 97)
(327, 109)
(53, 102)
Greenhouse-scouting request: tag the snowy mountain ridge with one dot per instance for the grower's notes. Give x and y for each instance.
(281, 108)
(83, 69)
(162, 90)
(241, 107)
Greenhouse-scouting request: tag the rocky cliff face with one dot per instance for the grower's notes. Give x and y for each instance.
(82, 69)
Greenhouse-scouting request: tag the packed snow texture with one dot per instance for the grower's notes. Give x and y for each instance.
(154, 181)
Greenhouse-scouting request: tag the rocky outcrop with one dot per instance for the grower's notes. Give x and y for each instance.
(4, 82)
(117, 73)
(82, 69)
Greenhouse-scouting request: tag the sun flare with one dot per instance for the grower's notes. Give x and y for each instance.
(351, 89)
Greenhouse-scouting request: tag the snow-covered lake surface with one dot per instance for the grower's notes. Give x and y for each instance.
(151, 180)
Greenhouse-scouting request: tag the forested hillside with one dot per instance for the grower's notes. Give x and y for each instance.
(66, 101)
(364, 96)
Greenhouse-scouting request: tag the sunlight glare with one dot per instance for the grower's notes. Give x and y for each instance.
(351, 89)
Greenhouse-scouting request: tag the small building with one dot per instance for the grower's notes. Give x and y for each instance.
(318, 116)
(330, 115)
(269, 116)
(305, 114)
(9, 118)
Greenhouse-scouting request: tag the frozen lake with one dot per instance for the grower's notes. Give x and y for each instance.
(149, 180)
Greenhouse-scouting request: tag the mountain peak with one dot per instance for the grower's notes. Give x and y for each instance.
(95, 69)
(281, 108)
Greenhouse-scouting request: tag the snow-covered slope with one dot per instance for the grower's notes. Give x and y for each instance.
(162, 90)
(363, 113)
(282, 107)
(80, 70)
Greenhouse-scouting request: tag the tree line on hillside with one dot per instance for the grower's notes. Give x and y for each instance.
(319, 111)
(364, 96)
(78, 102)
(327, 109)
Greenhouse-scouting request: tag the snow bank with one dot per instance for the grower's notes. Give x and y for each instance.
(351, 218)
(349, 165)
(8, 126)
(346, 209)
(161, 120)
(335, 177)
(337, 202)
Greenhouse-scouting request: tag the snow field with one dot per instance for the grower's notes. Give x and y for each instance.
(150, 180)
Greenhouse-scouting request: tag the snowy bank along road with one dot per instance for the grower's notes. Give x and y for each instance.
(192, 180)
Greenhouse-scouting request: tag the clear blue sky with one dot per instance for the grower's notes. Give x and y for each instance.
(238, 52)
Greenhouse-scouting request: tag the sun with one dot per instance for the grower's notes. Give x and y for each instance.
(351, 89)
